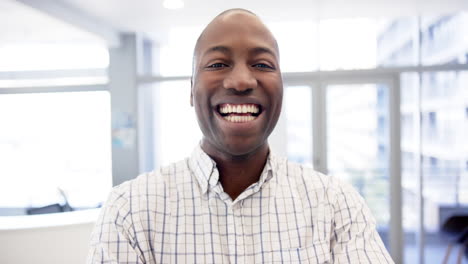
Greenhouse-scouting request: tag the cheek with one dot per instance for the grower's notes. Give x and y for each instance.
(201, 104)
(276, 101)
(276, 97)
(203, 111)
(200, 112)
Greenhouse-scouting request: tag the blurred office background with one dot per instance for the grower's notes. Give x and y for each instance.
(93, 93)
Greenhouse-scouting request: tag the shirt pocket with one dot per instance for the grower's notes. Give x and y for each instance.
(317, 253)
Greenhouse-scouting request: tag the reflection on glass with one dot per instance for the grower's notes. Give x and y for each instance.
(357, 143)
(397, 43)
(444, 39)
(298, 110)
(51, 141)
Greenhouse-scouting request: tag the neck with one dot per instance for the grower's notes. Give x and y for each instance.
(237, 173)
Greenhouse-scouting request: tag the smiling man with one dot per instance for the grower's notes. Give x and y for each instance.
(233, 201)
(237, 93)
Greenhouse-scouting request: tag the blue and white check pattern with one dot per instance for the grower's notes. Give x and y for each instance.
(180, 214)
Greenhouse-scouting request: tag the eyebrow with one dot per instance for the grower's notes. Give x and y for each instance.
(260, 50)
(222, 49)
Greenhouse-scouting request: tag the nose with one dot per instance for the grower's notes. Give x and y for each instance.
(240, 79)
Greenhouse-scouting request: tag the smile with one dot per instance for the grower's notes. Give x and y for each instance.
(239, 113)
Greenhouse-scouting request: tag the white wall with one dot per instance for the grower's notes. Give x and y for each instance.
(56, 243)
(63, 244)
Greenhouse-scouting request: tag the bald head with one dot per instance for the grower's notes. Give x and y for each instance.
(237, 17)
(236, 63)
(236, 10)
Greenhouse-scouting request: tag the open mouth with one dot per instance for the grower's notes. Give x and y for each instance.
(239, 113)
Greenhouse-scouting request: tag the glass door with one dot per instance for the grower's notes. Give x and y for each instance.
(360, 130)
(349, 128)
(357, 139)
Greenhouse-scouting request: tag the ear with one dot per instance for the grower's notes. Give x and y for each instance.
(191, 92)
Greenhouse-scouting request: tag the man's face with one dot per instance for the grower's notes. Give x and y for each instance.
(237, 89)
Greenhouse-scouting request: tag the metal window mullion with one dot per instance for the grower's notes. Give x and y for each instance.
(420, 236)
(319, 127)
(54, 89)
(396, 220)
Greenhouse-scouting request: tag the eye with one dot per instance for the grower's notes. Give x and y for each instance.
(217, 65)
(263, 66)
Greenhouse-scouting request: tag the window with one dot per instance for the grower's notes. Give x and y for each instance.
(443, 153)
(348, 43)
(177, 52)
(443, 38)
(299, 47)
(52, 56)
(176, 130)
(51, 142)
(298, 111)
(358, 145)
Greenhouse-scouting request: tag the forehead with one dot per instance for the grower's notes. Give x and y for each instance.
(236, 29)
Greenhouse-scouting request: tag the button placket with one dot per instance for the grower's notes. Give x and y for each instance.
(232, 238)
(239, 232)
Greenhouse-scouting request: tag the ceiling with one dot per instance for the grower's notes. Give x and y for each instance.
(22, 24)
(18, 21)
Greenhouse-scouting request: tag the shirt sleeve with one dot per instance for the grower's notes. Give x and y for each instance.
(354, 237)
(112, 240)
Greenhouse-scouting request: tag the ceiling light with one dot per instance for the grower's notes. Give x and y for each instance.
(173, 4)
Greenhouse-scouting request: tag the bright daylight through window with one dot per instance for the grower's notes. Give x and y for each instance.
(54, 142)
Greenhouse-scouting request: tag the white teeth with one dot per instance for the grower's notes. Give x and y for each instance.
(228, 108)
(239, 119)
(231, 112)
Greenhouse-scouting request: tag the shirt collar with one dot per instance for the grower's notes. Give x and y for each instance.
(207, 175)
(203, 167)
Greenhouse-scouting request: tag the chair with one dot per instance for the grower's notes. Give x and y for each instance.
(456, 228)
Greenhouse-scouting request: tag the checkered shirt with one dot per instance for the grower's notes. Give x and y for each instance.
(180, 214)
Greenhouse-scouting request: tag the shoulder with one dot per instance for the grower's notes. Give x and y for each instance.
(328, 188)
(148, 187)
(305, 176)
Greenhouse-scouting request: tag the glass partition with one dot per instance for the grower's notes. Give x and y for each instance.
(358, 143)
